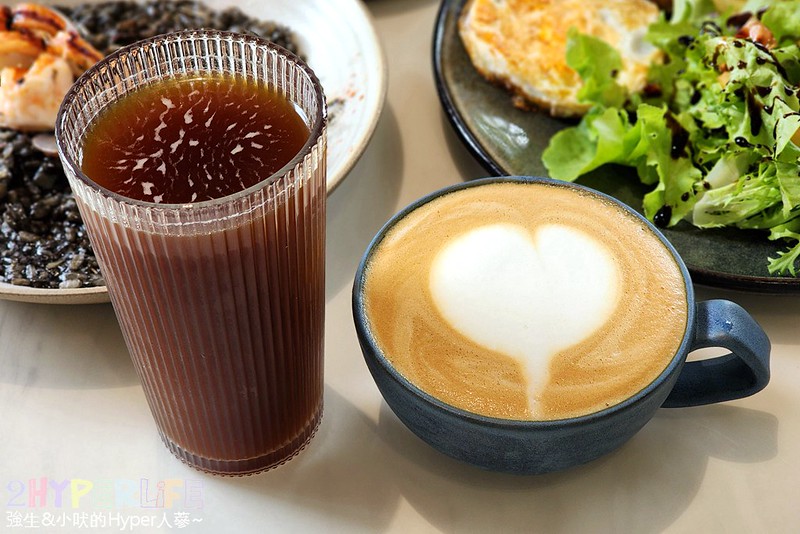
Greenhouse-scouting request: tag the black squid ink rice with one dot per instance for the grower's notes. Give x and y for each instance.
(111, 25)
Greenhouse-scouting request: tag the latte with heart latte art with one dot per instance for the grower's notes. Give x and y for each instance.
(523, 301)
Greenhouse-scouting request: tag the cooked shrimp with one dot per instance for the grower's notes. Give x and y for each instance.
(29, 98)
(79, 53)
(41, 53)
(18, 49)
(38, 19)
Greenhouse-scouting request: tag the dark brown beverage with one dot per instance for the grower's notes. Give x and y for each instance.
(191, 138)
(214, 257)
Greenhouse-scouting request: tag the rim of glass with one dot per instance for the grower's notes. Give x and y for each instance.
(318, 122)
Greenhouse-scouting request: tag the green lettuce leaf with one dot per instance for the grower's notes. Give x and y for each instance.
(718, 142)
(788, 259)
(597, 63)
(692, 12)
(783, 20)
(603, 136)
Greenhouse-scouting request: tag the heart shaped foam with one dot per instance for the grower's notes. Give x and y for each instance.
(526, 295)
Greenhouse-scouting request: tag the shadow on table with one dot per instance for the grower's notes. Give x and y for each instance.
(642, 487)
(363, 203)
(63, 347)
(356, 473)
(344, 477)
(466, 163)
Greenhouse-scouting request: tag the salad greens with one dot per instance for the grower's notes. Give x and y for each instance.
(716, 130)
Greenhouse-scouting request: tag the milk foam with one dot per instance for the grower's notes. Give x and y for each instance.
(526, 294)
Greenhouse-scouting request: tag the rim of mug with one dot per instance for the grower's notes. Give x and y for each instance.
(365, 334)
(316, 129)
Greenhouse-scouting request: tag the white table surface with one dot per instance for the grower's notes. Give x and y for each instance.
(72, 411)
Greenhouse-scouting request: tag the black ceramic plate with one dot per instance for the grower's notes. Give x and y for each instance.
(508, 141)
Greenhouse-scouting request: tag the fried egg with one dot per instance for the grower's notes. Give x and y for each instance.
(522, 45)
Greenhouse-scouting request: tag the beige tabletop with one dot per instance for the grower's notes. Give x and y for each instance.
(74, 416)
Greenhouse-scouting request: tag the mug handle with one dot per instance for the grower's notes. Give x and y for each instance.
(722, 323)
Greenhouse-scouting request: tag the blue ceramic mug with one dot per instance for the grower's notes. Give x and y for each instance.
(528, 445)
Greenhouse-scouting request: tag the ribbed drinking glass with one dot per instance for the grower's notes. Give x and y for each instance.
(221, 302)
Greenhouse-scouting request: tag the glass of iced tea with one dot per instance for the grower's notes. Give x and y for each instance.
(197, 160)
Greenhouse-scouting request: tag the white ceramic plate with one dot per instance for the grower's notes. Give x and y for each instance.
(340, 44)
